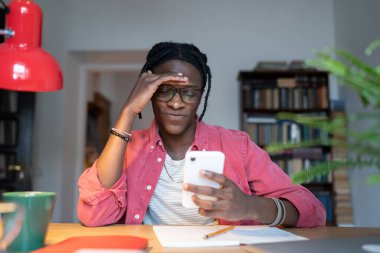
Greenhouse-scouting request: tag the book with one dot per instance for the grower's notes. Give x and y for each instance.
(107, 242)
(310, 152)
(297, 65)
(193, 236)
(271, 65)
(269, 120)
(286, 82)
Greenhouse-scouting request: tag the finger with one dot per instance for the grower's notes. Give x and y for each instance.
(219, 178)
(203, 190)
(210, 213)
(205, 204)
(177, 78)
(220, 204)
(150, 75)
(157, 80)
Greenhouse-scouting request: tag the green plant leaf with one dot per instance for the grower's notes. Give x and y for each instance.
(363, 145)
(361, 77)
(369, 50)
(323, 168)
(357, 64)
(276, 148)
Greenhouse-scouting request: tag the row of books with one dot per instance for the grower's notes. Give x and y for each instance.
(8, 130)
(285, 93)
(295, 164)
(343, 210)
(342, 190)
(281, 65)
(281, 131)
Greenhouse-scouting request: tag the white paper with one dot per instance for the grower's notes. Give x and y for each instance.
(192, 236)
(110, 251)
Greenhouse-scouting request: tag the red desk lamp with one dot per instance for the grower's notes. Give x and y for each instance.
(24, 65)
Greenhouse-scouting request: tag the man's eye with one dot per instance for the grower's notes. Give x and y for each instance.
(190, 93)
(164, 89)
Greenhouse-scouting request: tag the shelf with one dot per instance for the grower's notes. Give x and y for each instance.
(265, 94)
(266, 112)
(279, 73)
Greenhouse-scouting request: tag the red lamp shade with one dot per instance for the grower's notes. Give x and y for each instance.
(24, 66)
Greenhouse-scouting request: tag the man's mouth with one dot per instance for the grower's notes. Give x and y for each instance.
(174, 116)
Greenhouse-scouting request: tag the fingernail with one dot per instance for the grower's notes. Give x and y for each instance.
(203, 172)
(185, 186)
(180, 74)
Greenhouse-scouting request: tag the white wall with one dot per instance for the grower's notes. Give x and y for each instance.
(356, 25)
(234, 34)
(116, 86)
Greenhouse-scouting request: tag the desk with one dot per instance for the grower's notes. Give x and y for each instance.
(60, 231)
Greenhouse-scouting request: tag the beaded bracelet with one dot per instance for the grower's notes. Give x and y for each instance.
(126, 138)
(121, 132)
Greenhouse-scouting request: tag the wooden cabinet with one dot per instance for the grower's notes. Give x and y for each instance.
(264, 94)
(16, 136)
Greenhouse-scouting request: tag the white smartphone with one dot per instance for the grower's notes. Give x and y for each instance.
(196, 161)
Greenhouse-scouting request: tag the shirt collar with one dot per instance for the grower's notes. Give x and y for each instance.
(200, 139)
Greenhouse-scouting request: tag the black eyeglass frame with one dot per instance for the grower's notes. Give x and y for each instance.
(179, 91)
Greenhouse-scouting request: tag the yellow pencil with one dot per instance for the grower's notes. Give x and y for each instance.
(221, 231)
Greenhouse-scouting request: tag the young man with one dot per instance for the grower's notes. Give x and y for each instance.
(138, 178)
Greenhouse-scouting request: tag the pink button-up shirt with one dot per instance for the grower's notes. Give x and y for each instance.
(248, 166)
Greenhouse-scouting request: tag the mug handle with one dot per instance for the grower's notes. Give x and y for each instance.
(7, 239)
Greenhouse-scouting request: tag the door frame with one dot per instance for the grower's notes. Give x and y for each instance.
(75, 124)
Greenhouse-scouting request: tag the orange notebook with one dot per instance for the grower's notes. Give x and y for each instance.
(73, 244)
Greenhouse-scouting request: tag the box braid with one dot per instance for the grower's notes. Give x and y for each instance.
(165, 51)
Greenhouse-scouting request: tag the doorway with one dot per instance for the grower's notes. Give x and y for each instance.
(106, 94)
(110, 74)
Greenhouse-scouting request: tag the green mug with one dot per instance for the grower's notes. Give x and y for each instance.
(38, 207)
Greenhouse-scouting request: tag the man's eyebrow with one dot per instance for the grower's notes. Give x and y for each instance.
(189, 85)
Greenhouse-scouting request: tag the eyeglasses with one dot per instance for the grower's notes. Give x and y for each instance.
(188, 95)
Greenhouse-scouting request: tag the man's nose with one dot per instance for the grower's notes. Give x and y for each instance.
(176, 101)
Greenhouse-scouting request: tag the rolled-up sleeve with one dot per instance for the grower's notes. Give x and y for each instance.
(268, 180)
(97, 205)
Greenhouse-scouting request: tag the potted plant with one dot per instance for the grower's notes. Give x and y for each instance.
(363, 145)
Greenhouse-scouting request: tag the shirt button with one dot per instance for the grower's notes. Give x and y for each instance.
(159, 159)
(137, 216)
(148, 187)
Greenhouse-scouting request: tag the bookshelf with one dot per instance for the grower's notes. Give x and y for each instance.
(264, 94)
(16, 137)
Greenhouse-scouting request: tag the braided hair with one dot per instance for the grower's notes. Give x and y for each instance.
(165, 51)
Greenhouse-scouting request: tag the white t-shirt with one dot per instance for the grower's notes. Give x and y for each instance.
(165, 207)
